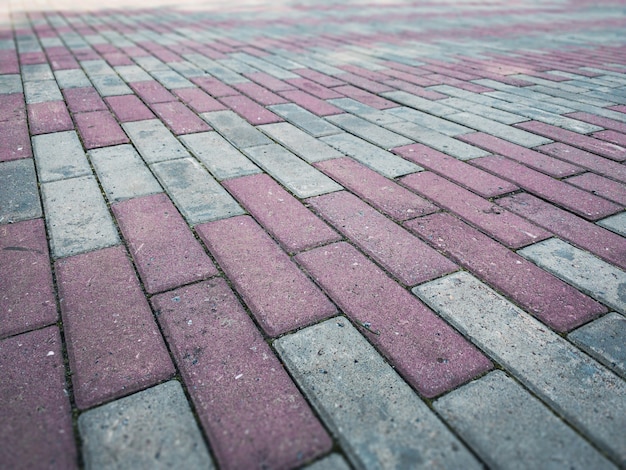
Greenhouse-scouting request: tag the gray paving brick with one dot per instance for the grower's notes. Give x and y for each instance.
(332, 462)
(77, 217)
(235, 129)
(379, 160)
(506, 99)
(512, 134)
(616, 223)
(368, 131)
(549, 83)
(96, 67)
(153, 428)
(551, 118)
(576, 97)
(171, 80)
(413, 101)
(431, 122)
(10, 84)
(237, 66)
(282, 62)
(133, 73)
(296, 175)
(305, 120)
(498, 115)
(260, 64)
(59, 155)
(36, 72)
(186, 69)
(591, 275)
(19, 194)
(73, 78)
(40, 92)
(379, 422)
(366, 112)
(150, 63)
(153, 141)
(217, 70)
(110, 85)
(486, 415)
(299, 142)
(196, 194)
(584, 393)
(222, 159)
(122, 173)
(441, 142)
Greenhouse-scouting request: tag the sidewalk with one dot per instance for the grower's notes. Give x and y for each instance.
(321, 235)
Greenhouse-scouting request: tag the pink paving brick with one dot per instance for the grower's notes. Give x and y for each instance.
(599, 121)
(588, 236)
(259, 94)
(365, 97)
(198, 100)
(479, 181)
(115, 59)
(269, 82)
(467, 86)
(99, 129)
(86, 54)
(614, 137)
(552, 301)
(26, 292)
(9, 62)
(314, 89)
(619, 108)
(403, 255)
(279, 295)
(214, 87)
(49, 116)
(238, 386)
(249, 110)
(35, 414)
(152, 92)
(364, 83)
(407, 77)
(508, 228)
(600, 165)
(415, 90)
(179, 118)
(550, 166)
(384, 194)
(15, 141)
(581, 202)
(600, 186)
(310, 103)
(113, 343)
(430, 355)
(165, 251)
(82, 100)
(360, 71)
(65, 62)
(318, 77)
(129, 108)
(294, 226)
(600, 147)
(31, 58)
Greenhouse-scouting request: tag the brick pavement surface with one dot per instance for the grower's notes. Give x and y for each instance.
(313, 234)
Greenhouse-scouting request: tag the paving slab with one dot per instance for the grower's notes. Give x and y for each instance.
(19, 195)
(15, 142)
(59, 156)
(299, 142)
(153, 141)
(305, 120)
(616, 223)
(235, 129)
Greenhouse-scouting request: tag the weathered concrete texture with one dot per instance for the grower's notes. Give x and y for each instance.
(77, 217)
(236, 130)
(153, 428)
(368, 131)
(308, 122)
(380, 422)
(153, 141)
(616, 223)
(588, 396)
(35, 407)
(486, 413)
(589, 274)
(299, 142)
(19, 195)
(59, 155)
(238, 386)
(332, 462)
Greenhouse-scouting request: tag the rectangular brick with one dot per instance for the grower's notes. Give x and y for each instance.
(152, 92)
(252, 112)
(585, 394)
(236, 382)
(179, 118)
(214, 87)
(504, 226)
(616, 223)
(36, 413)
(19, 192)
(368, 131)
(366, 112)
(122, 173)
(305, 120)
(279, 295)
(329, 362)
(314, 88)
(578, 201)
(429, 354)
(263, 65)
(614, 137)
(109, 85)
(600, 147)
(114, 346)
(423, 104)
(42, 92)
(49, 116)
(236, 130)
(128, 108)
(299, 142)
(283, 216)
(259, 94)
(310, 103)
(10, 84)
(26, 284)
(60, 155)
(153, 141)
(318, 77)
(586, 235)
(365, 97)
(269, 82)
(428, 93)
(405, 256)
(555, 303)
(530, 158)
(164, 249)
(554, 119)
(81, 100)
(498, 115)
(363, 83)
(600, 186)
(15, 141)
(431, 122)
(171, 80)
(299, 177)
(99, 129)
(198, 100)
